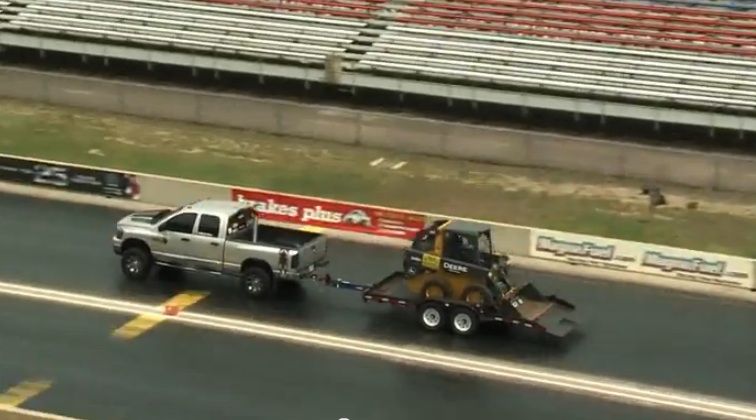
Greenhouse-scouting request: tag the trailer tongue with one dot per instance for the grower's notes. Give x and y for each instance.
(521, 307)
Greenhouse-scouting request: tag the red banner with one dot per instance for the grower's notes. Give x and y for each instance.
(331, 214)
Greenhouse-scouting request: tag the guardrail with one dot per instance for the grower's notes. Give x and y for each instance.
(666, 262)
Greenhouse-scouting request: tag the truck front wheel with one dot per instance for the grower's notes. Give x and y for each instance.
(256, 283)
(136, 263)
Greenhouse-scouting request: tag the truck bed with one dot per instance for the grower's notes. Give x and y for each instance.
(277, 236)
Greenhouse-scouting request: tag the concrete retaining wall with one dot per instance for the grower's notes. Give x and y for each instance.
(404, 133)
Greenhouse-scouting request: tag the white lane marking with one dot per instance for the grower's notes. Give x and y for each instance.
(398, 165)
(78, 91)
(376, 162)
(628, 392)
(34, 415)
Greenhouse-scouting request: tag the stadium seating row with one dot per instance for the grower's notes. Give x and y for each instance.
(597, 71)
(594, 21)
(192, 26)
(581, 47)
(738, 5)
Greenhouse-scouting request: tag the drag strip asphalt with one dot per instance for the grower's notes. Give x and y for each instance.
(180, 372)
(631, 332)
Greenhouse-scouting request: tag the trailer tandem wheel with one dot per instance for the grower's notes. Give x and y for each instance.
(432, 316)
(464, 321)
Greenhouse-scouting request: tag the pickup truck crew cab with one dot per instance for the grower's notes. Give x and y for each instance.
(219, 237)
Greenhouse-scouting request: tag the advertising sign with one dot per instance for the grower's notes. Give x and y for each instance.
(70, 178)
(331, 214)
(644, 258)
(695, 265)
(581, 249)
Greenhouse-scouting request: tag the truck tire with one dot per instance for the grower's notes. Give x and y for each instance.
(256, 283)
(432, 316)
(464, 321)
(477, 294)
(434, 289)
(136, 263)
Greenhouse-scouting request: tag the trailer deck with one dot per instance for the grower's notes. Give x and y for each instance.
(524, 306)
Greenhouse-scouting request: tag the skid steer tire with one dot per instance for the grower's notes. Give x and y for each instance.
(434, 289)
(484, 296)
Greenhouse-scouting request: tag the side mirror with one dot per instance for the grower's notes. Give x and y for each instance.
(162, 228)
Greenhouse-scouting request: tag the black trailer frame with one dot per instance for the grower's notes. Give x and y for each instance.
(463, 318)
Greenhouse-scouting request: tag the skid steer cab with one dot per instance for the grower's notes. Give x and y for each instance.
(456, 247)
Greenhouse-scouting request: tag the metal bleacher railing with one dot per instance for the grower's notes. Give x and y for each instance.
(621, 52)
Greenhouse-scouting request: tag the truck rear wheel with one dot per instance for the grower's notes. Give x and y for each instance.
(256, 283)
(432, 316)
(136, 263)
(464, 321)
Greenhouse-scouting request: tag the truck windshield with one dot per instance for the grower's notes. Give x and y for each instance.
(164, 214)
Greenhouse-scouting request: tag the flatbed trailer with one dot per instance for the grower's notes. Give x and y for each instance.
(522, 306)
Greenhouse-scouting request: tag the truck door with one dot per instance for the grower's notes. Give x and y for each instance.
(206, 247)
(173, 245)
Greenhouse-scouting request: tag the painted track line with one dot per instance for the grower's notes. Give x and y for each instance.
(593, 386)
(14, 413)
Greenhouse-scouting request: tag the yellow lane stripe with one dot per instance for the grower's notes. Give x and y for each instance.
(22, 392)
(145, 322)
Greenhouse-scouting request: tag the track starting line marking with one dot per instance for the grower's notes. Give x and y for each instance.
(145, 322)
(24, 391)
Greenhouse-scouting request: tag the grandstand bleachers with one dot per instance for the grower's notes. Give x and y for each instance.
(595, 21)
(738, 5)
(567, 67)
(618, 50)
(263, 33)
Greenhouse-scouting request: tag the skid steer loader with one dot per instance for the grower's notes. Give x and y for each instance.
(456, 260)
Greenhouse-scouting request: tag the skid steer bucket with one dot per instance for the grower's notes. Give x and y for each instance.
(554, 316)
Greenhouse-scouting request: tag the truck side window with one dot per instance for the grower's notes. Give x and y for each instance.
(209, 225)
(183, 223)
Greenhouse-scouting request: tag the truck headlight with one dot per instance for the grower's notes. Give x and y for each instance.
(119, 233)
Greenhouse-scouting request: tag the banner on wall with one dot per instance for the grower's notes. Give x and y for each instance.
(643, 258)
(70, 178)
(581, 250)
(332, 214)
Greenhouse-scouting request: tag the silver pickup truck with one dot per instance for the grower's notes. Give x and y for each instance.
(219, 237)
